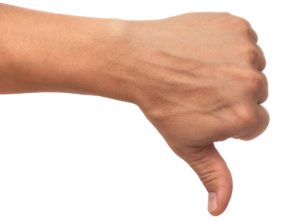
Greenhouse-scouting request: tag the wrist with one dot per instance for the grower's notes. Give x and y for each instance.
(115, 77)
(50, 52)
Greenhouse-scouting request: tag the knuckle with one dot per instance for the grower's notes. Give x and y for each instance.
(241, 24)
(250, 53)
(255, 81)
(259, 128)
(226, 13)
(246, 117)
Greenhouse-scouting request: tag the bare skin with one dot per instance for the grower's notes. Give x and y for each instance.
(197, 77)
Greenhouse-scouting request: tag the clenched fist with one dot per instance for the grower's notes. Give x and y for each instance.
(198, 79)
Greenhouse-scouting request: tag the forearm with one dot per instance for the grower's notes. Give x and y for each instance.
(43, 52)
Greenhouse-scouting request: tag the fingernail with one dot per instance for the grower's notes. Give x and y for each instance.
(212, 202)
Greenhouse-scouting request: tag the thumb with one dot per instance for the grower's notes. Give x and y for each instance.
(214, 174)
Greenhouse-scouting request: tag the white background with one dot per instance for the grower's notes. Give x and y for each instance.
(67, 157)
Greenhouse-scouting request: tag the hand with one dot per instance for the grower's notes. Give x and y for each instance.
(197, 77)
(199, 80)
